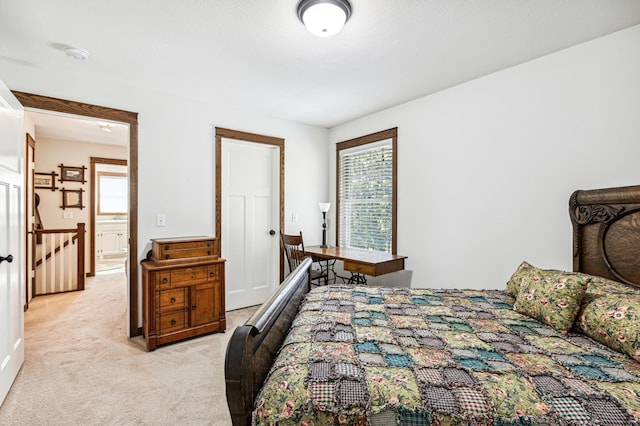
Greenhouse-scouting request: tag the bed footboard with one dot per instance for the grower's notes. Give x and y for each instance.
(254, 345)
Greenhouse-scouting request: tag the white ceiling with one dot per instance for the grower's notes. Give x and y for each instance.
(78, 129)
(256, 55)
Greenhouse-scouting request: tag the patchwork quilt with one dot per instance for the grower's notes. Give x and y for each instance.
(387, 356)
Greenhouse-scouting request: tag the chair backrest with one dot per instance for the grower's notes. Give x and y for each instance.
(293, 247)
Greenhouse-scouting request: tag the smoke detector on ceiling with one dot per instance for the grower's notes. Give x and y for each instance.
(76, 53)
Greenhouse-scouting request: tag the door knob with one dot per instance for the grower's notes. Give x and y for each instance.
(272, 232)
(9, 259)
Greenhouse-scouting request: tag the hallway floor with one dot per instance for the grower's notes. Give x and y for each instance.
(80, 367)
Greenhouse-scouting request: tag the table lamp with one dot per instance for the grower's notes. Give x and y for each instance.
(324, 208)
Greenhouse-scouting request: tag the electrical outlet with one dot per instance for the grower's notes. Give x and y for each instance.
(67, 214)
(294, 217)
(161, 220)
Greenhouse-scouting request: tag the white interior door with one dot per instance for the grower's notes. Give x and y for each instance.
(12, 267)
(250, 221)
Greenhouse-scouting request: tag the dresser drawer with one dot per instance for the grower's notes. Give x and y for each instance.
(214, 272)
(163, 279)
(187, 275)
(168, 300)
(187, 244)
(167, 249)
(186, 253)
(173, 321)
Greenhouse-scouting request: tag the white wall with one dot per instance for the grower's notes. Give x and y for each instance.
(176, 151)
(50, 153)
(485, 169)
(177, 167)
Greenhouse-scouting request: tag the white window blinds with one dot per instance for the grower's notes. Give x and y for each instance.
(365, 194)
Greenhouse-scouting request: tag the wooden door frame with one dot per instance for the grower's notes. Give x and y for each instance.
(92, 206)
(29, 190)
(246, 137)
(46, 103)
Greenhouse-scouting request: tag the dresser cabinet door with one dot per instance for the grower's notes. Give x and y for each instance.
(205, 304)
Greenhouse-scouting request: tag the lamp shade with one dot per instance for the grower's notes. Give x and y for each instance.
(324, 18)
(324, 207)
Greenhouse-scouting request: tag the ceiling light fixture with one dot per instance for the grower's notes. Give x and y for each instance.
(324, 18)
(76, 53)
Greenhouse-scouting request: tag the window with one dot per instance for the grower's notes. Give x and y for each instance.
(366, 188)
(112, 193)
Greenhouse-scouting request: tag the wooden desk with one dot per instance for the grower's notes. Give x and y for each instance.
(358, 261)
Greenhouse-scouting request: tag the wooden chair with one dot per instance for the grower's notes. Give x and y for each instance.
(293, 246)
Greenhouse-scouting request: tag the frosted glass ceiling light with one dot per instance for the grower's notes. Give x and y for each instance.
(324, 18)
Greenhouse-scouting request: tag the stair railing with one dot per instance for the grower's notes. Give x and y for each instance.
(59, 260)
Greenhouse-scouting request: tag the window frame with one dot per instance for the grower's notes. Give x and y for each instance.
(100, 174)
(360, 142)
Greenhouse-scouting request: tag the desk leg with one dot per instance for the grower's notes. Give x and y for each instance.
(329, 268)
(326, 277)
(357, 278)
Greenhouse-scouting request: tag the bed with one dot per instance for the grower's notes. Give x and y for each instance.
(553, 348)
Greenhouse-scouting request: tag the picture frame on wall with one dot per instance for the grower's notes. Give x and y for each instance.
(45, 180)
(72, 174)
(72, 198)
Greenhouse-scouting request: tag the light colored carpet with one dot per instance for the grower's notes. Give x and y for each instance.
(110, 264)
(81, 369)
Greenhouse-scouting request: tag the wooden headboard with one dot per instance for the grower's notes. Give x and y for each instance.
(606, 233)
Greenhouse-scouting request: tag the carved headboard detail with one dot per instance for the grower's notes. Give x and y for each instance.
(606, 233)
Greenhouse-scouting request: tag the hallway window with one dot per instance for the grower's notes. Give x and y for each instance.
(112, 193)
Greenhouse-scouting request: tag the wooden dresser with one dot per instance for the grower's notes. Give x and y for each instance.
(183, 291)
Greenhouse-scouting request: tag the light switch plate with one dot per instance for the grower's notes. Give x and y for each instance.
(161, 220)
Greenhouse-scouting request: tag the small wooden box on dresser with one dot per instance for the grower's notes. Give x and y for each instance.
(183, 292)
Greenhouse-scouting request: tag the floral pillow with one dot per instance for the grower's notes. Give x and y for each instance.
(601, 286)
(551, 297)
(613, 320)
(522, 273)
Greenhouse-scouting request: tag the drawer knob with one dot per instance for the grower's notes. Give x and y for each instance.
(173, 321)
(166, 256)
(173, 300)
(165, 280)
(167, 247)
(193, 306)
(209, 252)
(212, 274)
